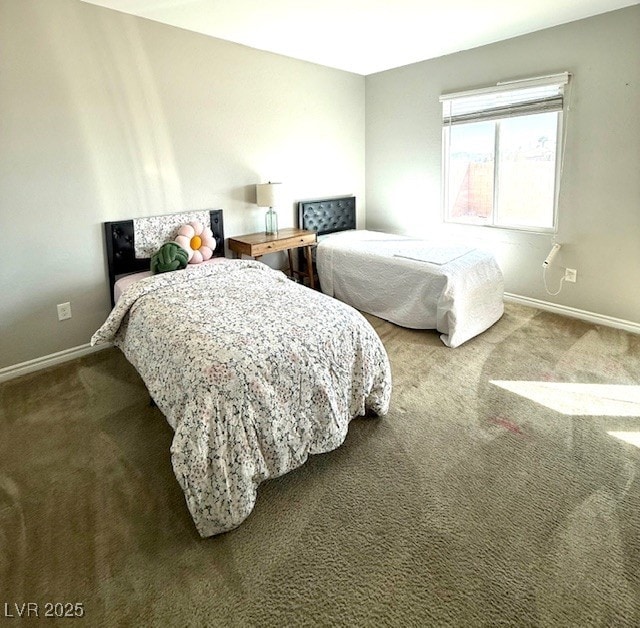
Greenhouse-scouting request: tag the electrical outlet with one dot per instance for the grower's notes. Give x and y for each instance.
(570, 275)
(64, 311)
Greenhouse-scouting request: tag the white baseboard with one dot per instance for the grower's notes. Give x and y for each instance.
(590, 317)
(11, 372)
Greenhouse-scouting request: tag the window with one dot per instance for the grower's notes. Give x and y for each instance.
(502, 154)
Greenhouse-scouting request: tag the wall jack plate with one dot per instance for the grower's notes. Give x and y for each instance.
(64, 311)
(570, 275)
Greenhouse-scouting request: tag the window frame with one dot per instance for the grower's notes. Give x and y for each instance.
(558, 81)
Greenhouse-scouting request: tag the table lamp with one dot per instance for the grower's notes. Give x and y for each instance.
(267, 195)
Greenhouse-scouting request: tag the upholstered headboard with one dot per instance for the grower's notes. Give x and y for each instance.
(124, 257)
(328, 215)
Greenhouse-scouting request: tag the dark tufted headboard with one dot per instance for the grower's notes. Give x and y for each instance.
(120, 242)
(328, 215)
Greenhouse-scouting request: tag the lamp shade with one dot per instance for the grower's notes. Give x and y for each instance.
(268, 194)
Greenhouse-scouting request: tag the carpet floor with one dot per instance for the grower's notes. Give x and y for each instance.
(503, 488)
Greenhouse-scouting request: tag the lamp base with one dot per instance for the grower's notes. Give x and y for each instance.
(271, 222)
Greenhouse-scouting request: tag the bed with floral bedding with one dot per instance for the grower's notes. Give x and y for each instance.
(253, 372)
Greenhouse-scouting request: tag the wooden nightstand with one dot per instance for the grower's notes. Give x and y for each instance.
(258, 244)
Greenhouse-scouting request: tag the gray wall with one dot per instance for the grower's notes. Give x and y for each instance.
(105, 116)
(599, 213)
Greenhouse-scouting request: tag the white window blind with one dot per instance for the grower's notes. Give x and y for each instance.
(537, 95)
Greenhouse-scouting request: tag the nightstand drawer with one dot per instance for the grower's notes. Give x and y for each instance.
(283, 244)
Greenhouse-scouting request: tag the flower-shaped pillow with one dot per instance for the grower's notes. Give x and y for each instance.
(197, 241)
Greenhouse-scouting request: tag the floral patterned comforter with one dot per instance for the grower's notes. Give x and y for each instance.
(253, 372)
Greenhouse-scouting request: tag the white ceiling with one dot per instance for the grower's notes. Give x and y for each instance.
(364, 36)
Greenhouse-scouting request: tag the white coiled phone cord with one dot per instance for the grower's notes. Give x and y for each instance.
(546, 287)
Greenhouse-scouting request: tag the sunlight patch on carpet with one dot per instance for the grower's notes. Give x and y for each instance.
(579, 399)
(628, 437)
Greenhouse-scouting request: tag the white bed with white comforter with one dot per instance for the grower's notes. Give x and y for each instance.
(419, 284)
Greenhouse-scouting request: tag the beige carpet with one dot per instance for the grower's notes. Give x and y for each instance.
(503, 488)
